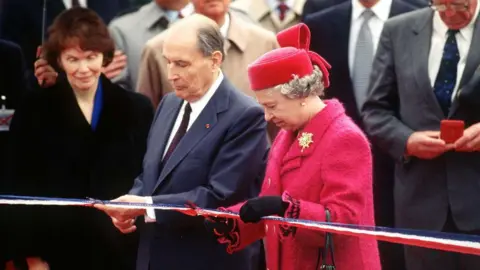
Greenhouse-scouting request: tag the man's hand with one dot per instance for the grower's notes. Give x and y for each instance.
(470, 141)
(426, 145)
(124, 218)
(127, 226)
(117, 65)
(46, 75)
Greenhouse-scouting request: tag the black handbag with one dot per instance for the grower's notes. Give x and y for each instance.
(327, 250)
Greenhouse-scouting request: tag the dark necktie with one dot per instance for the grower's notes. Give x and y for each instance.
(75, 3)
(182, 129)
(447, 74)
(283, 8)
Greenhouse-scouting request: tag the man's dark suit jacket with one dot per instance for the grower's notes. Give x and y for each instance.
(401, 102)
(215, 164)
(57, 154)
(312, 6)
(22, 20)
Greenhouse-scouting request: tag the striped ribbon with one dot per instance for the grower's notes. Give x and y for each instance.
(467, 244)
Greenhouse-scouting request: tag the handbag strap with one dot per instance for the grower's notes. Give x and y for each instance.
(328, 248)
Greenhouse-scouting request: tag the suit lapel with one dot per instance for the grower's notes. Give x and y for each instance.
(473, 58)
(205, 122)
(472, 64)
(162, 134)
(422, 31)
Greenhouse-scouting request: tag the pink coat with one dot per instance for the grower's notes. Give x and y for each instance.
(334, 172)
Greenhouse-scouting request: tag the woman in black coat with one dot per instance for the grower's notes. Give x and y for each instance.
(82, 137)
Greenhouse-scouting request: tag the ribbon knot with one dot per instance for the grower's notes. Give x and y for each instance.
(298, 36)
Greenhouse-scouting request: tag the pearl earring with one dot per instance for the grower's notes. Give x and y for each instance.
(303, 104)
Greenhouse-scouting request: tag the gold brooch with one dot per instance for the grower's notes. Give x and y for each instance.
(305, 140)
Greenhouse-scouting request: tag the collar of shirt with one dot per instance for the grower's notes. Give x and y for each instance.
(68, 3)
(273, 4)
(466, 32)
(199, 105)
(381, 9)
(226, 25)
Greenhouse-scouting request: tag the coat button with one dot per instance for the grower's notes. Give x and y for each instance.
(269, 180)
(266, 228)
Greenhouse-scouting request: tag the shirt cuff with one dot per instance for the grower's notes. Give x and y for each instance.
(150, 216)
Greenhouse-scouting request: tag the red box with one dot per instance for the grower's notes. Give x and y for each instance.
(451, 130)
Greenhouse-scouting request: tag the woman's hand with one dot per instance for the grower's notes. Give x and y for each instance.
(46, 75)
(254, 209)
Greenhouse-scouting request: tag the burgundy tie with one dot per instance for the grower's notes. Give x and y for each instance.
(283, 8)
(182, 129)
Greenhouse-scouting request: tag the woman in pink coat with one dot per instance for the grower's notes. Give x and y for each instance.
(320, 160)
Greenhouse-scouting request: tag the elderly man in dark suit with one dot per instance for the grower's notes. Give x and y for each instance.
(207, 146)
(424, 60)
(354, 29)
(312, 6)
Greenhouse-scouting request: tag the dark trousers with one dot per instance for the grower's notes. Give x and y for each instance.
(391, 255)
(429, 259)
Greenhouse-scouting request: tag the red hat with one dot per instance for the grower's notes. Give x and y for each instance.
(280, 65)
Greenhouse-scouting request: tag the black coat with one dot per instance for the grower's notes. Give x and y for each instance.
(13, 86)
(57, 154)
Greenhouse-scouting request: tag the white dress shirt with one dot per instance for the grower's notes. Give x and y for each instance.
(226, 25)
(274, 4)
(381, 12)
(68, 3)
(197, 108)
(439, 37)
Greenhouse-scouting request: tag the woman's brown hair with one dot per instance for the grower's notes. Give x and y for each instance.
(82, 27)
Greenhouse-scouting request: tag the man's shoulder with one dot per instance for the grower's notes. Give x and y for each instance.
(408, 19)
(240, 101)
(129, 18)
(256, 32)
(8, 46)
(156, 42)
(326, 13)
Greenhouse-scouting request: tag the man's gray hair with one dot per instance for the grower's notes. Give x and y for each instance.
(310, 85)
(210, 40)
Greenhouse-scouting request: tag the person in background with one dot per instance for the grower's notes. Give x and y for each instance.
(424, 60)
(319, 163)
(353, 29)
(82, 137)
(273, 15)
(22, 20)
(244, 42)
(207, 146)
(13, 85)
(132, 30)
(312, 6)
